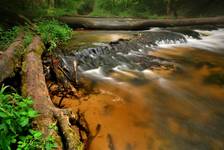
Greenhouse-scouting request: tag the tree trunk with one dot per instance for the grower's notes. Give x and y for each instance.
(168, 8)
(136, 24)
(34, 85)
(10, 59)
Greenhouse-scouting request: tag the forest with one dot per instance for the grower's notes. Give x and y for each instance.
(124, 8)
(111, 74)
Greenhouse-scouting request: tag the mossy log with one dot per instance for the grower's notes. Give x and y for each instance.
(136, 24)
(10, 59)
(34, 85)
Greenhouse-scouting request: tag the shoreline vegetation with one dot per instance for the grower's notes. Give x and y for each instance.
(28, 33)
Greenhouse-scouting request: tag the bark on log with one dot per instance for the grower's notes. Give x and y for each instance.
(10, 59)
(34, 86)
(136, 24)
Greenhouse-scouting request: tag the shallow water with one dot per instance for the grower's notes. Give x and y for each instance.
(170, 108)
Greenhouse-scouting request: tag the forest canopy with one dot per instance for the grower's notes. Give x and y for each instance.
(11, 9)
(121, 8)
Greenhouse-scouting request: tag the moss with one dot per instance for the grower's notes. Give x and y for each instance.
(39, 49)
(24, 86)
(27, 38)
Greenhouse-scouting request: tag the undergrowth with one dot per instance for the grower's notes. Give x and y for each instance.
(7, 37)
(16, 115)
(27, 38)
(53, 33)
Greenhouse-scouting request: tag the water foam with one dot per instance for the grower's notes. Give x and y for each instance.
(210, 40)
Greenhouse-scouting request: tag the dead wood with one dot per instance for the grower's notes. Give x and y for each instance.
(10, 59)
(34, 85)
(136, 24)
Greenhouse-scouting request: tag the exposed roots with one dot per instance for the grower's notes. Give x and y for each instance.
(34, 85)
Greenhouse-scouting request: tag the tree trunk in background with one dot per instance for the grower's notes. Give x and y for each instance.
(137, 24)
(51, 3)
(168, 7)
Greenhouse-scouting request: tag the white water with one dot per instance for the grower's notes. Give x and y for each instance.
(175, 111)
(210, 40)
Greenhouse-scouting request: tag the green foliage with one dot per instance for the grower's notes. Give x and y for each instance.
(16, 115)
(1, 29)
(53, 33)
(27, 38)
(6, 37)
(35, 141)
(129, 8)
(85, 7)
(40, 8)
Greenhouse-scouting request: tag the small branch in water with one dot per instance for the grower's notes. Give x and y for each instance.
(75, 72)
(59, 104)
(110, 141)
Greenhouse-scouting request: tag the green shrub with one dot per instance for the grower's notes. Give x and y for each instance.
(52, 33)
(27, 38)
(16, 132)
(6, 37)
(1, 29)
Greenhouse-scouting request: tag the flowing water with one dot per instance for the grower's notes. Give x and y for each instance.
(175, 104)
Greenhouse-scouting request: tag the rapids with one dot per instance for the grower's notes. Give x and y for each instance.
(153, 89)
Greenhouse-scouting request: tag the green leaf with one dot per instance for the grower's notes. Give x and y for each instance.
(23, 104)
(3, 115)
(3, 89)
(23, 121)
(3, 127)
(37, 135)
(32, 113)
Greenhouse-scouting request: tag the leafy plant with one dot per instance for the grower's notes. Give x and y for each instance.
(52, 33)
(27, 38)
(6, 37)
(1, 29)
(16, 115)
(35, 141)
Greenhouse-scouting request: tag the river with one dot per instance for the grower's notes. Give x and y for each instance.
(168, 95)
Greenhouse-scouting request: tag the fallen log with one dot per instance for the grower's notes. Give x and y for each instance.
(136, 24)
(34, 86)
(10, 59)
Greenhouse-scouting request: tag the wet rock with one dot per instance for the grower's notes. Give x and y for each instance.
(132, 54)
(153, 37)
(187, 32)
(215, 78)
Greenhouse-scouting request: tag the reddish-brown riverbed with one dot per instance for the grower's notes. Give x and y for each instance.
(164, 108)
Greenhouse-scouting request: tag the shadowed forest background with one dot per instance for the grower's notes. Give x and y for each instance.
(122, 8)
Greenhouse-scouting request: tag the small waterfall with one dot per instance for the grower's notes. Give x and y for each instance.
(162, 88)
(209, 40)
